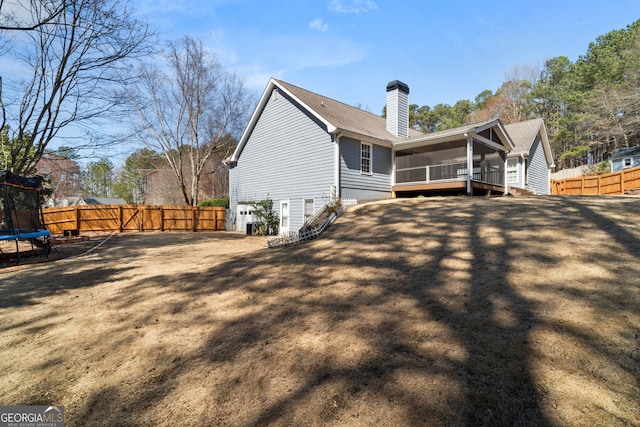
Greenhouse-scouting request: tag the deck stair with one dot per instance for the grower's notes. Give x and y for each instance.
(314, 227)
(515, 191)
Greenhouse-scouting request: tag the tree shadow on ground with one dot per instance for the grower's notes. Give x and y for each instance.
(449, 319)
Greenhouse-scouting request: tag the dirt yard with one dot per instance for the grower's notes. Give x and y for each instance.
(435, 311)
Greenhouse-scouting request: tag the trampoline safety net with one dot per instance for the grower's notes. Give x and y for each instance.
(19, 203)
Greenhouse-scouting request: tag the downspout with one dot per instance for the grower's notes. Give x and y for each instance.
(393, 172)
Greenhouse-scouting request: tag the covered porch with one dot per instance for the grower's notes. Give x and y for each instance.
(469, 160)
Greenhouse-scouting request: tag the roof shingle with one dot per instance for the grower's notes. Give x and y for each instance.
(344, 116)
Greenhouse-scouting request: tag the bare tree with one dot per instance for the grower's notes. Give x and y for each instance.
(162, 188)
(73, 58)
(62, 175)
(20, 16)
(510, 102)
(191, 113)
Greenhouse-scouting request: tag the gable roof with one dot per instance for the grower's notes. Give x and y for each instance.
(626, 152)
(345, 117)
(456, 133)
(335, 115)
(524, 134)
(341, 118)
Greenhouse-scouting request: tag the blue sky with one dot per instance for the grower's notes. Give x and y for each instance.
(350, 49)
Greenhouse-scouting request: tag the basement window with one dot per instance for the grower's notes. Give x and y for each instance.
(365, 158)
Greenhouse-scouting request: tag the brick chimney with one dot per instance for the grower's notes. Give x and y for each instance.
(398, 109)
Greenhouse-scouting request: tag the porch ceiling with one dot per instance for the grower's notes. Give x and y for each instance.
(478, 148)
(489, 134)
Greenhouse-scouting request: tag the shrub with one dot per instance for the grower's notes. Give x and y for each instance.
(604, 167)
(334, 206)
(223, 202)
(268, 220)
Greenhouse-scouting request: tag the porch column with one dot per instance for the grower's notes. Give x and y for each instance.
(335, 194)
(506, 182)
(469, 164)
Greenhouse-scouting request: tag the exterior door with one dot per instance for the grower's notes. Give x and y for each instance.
(244, 216)
(284, 216)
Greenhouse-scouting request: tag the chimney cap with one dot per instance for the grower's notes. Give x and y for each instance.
(397, 84)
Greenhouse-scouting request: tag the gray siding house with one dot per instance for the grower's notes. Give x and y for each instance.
(529, 164)
(625, 158)
(303, 150)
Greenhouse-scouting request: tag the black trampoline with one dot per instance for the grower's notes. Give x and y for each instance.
(20, 214)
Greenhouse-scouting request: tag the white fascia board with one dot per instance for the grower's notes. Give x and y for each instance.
(252, 122)
(514, 154)
(330, 127)
(258, 111)
(546, 145)
(425, 141)
(491, 144)
(498, 127)
(366, 138)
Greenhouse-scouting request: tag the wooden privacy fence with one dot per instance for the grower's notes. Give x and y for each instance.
(132, 217)
(611, 183)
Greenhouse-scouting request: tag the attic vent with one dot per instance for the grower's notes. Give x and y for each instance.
(274, 94)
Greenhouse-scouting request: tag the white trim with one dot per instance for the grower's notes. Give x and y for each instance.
(506, 181)
(368, 138)
(370, 145)
(336, 166)
(489, 143)
(517, 170)
(469, 163)
(282, 228)
(257, 112)
(330, 127)
(313, 210)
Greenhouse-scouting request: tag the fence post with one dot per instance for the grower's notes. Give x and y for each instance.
(77, 209)
(120, 218)
(161, 219)
(194, 216)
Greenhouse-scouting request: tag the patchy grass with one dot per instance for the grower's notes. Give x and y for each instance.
(443, 311)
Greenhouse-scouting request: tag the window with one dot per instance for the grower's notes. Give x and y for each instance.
(626, 162)
(284, 216)
(308, 209)
(365, 158)
(512, 171)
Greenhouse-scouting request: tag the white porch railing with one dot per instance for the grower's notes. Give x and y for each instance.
(456, 171)
(434, 173)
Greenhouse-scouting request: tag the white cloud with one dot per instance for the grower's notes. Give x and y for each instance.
(257, 56)
(352, 6)
(319, 24)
